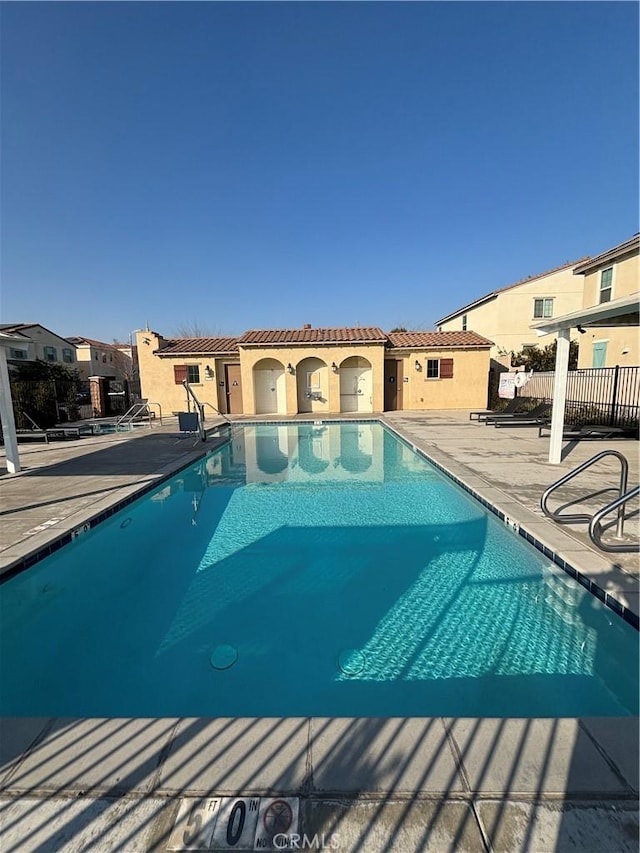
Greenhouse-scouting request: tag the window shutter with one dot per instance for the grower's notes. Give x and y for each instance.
(179, 373)
(446, 368)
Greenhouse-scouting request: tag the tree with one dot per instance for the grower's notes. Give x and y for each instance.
(38, 369)
(538, 360)
(398, 329)
(193, 329)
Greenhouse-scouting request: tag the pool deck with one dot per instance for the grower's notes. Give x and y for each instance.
(366, 784)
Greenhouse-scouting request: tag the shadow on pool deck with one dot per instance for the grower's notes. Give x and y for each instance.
(404, 784)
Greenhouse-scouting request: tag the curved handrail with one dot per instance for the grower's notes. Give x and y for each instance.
(217, 411)
(153, 403)
(595, 527)
(568, 519)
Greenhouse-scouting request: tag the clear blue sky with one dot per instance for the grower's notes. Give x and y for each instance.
(266, 164)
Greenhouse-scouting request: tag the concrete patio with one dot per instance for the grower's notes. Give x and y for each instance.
(362, 784)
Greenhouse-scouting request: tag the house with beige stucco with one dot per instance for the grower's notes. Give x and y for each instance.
(319, 371)
(609, 278)
(38, 344)
(97, 358)
(505, 315)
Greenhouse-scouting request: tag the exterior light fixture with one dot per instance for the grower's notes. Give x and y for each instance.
(209, 372)
(418, 365)
(290, 367)
(334, 367)
(581, 330)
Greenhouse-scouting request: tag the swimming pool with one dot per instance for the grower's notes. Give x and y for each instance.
(309, 570)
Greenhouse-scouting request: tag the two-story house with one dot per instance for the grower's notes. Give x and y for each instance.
(608, 321)
(504, 316)
(607, 279)
(96, 358)
(40, 344)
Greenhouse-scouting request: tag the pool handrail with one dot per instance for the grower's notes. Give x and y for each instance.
(583, 517)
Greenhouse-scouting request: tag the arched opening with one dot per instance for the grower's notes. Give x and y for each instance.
(269, 387)
(356, 385)
(312, 378)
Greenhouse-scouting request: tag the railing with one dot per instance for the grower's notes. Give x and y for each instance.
(595, 529)
(137, 410)
(198, 407)
(218, 412)
(595, 526)
(605, 395)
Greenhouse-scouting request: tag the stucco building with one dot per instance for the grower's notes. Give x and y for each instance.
(611, 277)
(317, 371)
(505, 315)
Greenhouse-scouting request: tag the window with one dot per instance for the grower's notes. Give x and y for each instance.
(606, 282)
(50, 354)
(439, 368)
(543, 308)
(186, 372)
(17, 353)
(599, 354)
(313, 381)
(67, 356)
(104, 358)
(464, 322)
(95, 355)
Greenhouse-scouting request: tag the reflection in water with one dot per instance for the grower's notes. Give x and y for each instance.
(311, 450)
(269, 457)
(356, 448)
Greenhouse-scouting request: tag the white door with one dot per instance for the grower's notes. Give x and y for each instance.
(270, 391)
(356, 389)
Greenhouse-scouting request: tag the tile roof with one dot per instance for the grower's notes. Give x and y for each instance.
(519, 283)
(198, 346)
(411, 340)
(78, 341)
(261, 337)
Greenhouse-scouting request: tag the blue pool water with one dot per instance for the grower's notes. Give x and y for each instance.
(309, 570)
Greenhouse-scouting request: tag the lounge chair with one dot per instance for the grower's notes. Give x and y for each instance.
(586, 431)
(511, 407)
(539, 412)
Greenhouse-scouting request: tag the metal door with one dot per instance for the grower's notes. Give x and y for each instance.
(393, 375)
(233, 389)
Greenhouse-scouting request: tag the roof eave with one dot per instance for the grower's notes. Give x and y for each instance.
(617, 253)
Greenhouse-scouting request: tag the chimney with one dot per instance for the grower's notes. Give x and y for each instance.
(307, 326)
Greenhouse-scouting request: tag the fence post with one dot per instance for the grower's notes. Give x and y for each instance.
(614, 395)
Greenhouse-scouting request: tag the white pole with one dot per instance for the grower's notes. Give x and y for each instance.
(6, 417)
(559, 396)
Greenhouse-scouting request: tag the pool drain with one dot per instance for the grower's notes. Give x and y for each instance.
(223, 657)
(351, 662)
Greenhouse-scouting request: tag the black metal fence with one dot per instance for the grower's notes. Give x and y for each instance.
(609, 395)
(43, 403)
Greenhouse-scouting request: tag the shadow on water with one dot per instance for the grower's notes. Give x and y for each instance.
(447, 782)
